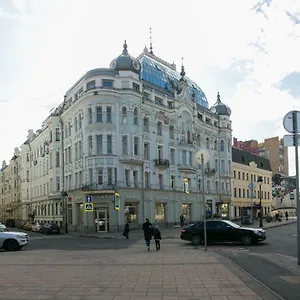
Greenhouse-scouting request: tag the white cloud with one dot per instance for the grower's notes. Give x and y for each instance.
(61, 40)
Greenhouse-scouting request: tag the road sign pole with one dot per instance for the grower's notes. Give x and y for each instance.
(204, 204)
(295, 127)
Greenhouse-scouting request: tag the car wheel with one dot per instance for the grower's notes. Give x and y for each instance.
(10, 245)
(196, 240)
(247, 239)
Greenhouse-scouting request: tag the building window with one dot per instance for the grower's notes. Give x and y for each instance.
(109, 176)
(207, 143)
(146, 151)
(160, 181)
(136, 146)
(216, 165)
(79, 121)
(91, 85)
(124, 145)
(171, 131)
(147, 180)
(135, 179)
(50, 136)
(57, 135)
(244, 193)
(108, 114)
(243, 176)
(58, 183)
(234, 192)
(99, 115)
(229, 166)
(90, 145)
(172, 156)
(247, 176)
(229, 147)
(107, 83)
(160, 152)
(159, 128)
(109, 144)
(99, 140)
(75, 123)
(91, 176)
(183, 157)
(216, 145)
(127, 178)
(135, 87)
(222, 146)
(100, 176)
(191, 158)
(158, 101)
(135, 117)
(240, 193)
(124, 115)
(57, 159)
(188, 137)
(146, 124)
(172, 181)
(234, 174)
(239, 174)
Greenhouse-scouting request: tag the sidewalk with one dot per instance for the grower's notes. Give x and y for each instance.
(173, 273)
(169, 233)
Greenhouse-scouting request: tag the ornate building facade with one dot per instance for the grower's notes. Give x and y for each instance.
(134, 129)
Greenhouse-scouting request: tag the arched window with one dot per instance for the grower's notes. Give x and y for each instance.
(216, 145)
(222, 145)
(135, 117)
(124, 115)
(182, 136)
(188, 135)
(207, 143)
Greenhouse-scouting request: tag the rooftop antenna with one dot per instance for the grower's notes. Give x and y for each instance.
(151, 48)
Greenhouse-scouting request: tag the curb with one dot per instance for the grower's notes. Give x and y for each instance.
(280, 224)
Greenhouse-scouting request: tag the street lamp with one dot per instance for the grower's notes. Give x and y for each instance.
(202, 157)
(260, 181)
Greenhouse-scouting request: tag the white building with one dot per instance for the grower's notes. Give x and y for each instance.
(133, 128)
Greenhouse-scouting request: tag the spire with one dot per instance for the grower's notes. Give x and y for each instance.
(125, 52)
(151, 48)
(218, 98)
(182, 73)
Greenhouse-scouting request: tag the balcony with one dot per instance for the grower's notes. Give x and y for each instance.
(131, 159)
(186, 142)
(187, 168)
(159, 162)
(94, 187)
(210, 172)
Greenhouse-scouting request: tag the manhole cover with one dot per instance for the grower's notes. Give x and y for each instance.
(291, 279)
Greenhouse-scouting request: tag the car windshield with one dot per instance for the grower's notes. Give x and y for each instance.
(232, 224)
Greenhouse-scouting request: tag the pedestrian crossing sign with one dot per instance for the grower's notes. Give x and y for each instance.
(88, 207)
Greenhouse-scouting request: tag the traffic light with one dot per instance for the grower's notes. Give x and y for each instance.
(117, 201)
(186, 186)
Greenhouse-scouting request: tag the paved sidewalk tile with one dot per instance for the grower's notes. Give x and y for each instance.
(172, 273)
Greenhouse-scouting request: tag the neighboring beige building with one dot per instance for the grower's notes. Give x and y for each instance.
(247, 168)
(10, 189)
(274, 150)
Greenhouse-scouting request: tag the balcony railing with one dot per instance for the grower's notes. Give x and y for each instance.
(159, 162)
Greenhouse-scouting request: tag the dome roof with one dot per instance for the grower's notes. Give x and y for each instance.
(220, 108)
(126, 62)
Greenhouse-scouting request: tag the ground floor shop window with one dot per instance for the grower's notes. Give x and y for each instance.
(80, 214)
(70, 214)
(131, 212)
(160, 212)
(225, 211)
(186, 211)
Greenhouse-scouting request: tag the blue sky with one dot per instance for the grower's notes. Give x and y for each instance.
(248, 50)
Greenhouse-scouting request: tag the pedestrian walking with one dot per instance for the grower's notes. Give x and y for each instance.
(287, 215)
(126, 230)
(182, 219)
(148, 232)
(157, 237)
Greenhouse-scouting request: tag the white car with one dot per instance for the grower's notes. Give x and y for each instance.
(36, 227)
(12, 241)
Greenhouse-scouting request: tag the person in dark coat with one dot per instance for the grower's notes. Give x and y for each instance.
(182, 220)
(148, 232)
(126, 230)
(286, 215)
(157, 237)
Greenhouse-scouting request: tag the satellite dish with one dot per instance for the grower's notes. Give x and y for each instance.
(202, 154)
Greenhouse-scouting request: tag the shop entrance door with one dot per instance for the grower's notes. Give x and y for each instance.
(102, 220)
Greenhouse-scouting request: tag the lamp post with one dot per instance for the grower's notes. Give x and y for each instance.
(260, 181)
(202, 157)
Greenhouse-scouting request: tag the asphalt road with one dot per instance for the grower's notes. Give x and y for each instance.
(270, 262)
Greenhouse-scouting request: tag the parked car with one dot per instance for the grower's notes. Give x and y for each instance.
(50, 228)
(222, 231)
(12, 241)
(27, 226)
(36, 227)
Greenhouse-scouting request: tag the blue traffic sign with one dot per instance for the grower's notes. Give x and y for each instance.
(292, 196)
(88, 199)
(88, 207)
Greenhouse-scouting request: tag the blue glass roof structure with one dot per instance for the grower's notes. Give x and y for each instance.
(164, 77)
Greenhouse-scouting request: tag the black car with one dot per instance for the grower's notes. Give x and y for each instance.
(50, 228)
(222, 231)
